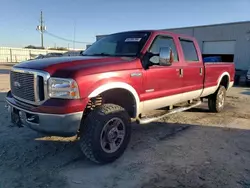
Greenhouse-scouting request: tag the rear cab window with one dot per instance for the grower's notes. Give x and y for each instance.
(189, 50)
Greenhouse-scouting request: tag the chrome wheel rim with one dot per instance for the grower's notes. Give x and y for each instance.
(112, 135)
(221, 98)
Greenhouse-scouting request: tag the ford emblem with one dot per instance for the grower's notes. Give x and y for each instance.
(17, 84)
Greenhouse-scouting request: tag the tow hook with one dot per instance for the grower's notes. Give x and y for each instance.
(7, 107)
(15, 117)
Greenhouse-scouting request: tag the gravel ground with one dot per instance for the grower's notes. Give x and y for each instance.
(189, 149)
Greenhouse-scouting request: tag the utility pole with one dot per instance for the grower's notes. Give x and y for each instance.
(41, 28)
(41, 24)
(74, 34)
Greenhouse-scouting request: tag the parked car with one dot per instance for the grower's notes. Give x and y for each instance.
(120, 78)
(73, 53)
(248, 78)
(40, 56)
(48, 55)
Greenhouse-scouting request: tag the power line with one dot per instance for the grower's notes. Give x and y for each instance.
(62, 38)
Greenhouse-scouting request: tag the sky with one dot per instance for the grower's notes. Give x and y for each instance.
(19, 18)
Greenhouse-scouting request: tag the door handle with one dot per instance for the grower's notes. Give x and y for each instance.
(181, 72)
(201, 71)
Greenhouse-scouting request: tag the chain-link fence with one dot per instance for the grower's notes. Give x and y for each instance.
(15, 55)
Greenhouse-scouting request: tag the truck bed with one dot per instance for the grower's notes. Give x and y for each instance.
(214, 70)
(214, 73)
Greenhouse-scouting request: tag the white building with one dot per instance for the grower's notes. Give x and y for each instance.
(231, 41)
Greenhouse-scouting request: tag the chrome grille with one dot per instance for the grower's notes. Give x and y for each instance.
(28, 85)
(22, 85)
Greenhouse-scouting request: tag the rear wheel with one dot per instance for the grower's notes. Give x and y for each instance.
(105, 134)
(216, 101)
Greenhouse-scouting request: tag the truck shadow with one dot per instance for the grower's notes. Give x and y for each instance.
(164, 147)
(37, 154)
(63, 153)
(201, 110)
(70, 145)
(51, 148)
(143, 137)
(158, 145)
(246, 92)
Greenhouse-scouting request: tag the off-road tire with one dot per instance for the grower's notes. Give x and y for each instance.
(91, 129)
(214, 100)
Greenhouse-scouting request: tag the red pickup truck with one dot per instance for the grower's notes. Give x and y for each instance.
(120, 78)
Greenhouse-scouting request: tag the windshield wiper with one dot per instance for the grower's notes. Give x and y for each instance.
(97, 54)
(115, 55)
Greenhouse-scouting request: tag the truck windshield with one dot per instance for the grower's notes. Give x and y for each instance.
(120, 44)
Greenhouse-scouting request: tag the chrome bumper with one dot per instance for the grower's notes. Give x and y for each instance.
(248, 77)
(50, 124)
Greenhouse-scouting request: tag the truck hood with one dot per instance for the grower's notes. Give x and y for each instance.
(65, 65)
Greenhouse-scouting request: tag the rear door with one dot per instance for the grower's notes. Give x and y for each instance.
(162, 84)
(193, 69)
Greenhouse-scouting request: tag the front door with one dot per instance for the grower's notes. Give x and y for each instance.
(162, 84)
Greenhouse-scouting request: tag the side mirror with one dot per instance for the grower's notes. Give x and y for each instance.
(166, 56)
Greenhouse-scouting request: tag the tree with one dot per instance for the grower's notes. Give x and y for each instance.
(59, 48)
(33, 47)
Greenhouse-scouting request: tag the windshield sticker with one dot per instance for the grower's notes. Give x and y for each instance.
(133, 40)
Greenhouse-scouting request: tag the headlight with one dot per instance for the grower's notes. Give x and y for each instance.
(63, 88)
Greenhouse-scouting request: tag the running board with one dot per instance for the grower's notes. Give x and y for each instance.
(146, 120)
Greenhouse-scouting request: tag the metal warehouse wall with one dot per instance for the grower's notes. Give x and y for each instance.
(240, 32)
(13, 55)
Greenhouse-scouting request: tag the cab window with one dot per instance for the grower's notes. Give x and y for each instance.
(164, 41)
(189, 50)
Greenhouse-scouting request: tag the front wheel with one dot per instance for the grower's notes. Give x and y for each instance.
(216, 101)
(105, 134)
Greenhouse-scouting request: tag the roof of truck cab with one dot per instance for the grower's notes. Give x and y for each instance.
(157, 32)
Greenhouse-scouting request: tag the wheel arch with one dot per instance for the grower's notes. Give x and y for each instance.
(127, 93)
(224, 80)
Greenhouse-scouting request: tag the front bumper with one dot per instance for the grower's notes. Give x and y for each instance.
(48, 123)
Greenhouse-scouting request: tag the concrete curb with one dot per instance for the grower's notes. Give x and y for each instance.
(8, 64)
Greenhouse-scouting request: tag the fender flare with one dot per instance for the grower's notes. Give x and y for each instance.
(117, 85)
(220, 79)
